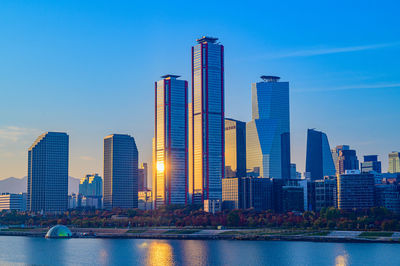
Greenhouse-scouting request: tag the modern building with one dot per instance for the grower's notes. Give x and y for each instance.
(319, 162)
(355, 190)
(208, 121)
(145, 200)
(13, 202)
(371, 164)
(335, 155)
(91, 185)
(235, 148)
(325, 193)
(388, 196)
(268, 133)
(293, 198)
(347, 160)
(48, 173)
(394, 162)
(120, 184)
(247, 192)
(212, 206)
(142, 182)
(171, 141)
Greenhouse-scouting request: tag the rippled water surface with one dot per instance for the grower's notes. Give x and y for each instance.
(40, 251)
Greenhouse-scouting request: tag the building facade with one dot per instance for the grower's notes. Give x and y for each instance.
(91, 185)
(335, 155)
(235, 148)
(208, 121)
(120, 184)
(171, 142)
(355, 190)
(319, 162)
(371, 164)
(142, 182)
(394, 162)
(13, 202)
(388, 196)
(48, 173)
(325, 193)
(347, 160)
(268, 133)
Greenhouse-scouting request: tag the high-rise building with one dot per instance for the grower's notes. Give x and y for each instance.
(355, 190)
(388, 196)
(48, 173)
(394, 162)
(91, 185)
(208, 121)
(13, 202)
(247, 192)
(325, 193)
(335, 155)
(268, 133)
(120, 187)
(171, 141)
(142, 182)
(371, 164)
(235, 148)
(347, 160)
(319, 162)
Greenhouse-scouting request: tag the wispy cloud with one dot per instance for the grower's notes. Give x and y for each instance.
(15, 134)
(351, 87)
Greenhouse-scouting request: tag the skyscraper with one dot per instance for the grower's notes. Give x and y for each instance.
(48, 173)
(335, 155)
(208, 119)
(142, 182)
(91, 185)
(120, 172)
(235, 148)
(171, 141)
(319, 162)
(394, 162)
(371, 164)
(268, 133)
(347, 160)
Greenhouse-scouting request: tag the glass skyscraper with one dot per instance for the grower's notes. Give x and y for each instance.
(319, 162)
(235, 148)
(120, 184)
(394, 162)
(207, 120)
(48, 173)
(268, 133)
(171, 141)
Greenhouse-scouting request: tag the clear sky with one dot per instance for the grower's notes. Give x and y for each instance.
(88, 68)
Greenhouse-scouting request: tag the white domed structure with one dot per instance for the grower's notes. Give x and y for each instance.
(59, 231)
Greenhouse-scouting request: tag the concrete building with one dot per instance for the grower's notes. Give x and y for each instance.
(355, 190)
(120, 172)
(235, 148)
(13, 202)
(48, 173)
(268, 133)
(319, 162)
(171, 141)
(208, 120)
(371, 164)
(394, 162)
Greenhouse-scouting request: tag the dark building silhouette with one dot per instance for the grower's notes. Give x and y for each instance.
(347, 160)
(319, 162)
(355, 190)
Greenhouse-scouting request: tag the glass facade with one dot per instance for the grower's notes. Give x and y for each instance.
(120, 184)
(208, 124)
(171, 142)
(48, 173)
(235, 148)
(355, 191)
(268, 134)
(394, 162)
(319, 162)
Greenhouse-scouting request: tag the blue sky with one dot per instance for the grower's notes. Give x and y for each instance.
(88, 68)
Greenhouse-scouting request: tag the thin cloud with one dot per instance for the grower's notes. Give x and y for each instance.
(15, 134)
(353, 87)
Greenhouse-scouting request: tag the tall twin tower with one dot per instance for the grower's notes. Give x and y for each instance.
(188, 146)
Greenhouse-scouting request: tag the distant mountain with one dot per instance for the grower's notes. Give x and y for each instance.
(18, 185)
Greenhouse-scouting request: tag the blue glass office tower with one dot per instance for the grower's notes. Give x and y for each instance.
(268, 133)
(171, 141)
(319, 162)
(208, 161)
(48, 173)
(120, 179)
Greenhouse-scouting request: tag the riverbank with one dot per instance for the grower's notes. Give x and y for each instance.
(226, 234)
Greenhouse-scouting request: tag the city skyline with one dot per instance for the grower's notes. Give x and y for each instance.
(74, 106)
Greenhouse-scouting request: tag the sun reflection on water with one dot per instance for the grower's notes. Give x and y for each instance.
(160, 253)
(341, 260)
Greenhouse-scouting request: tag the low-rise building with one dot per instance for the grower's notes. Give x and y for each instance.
(12, 201)
(325, 193)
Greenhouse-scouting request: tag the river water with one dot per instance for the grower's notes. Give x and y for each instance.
(41, 251)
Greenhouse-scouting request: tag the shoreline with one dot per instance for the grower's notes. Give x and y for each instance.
(241, 234)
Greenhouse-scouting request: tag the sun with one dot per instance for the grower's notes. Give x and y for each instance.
(160, 167)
